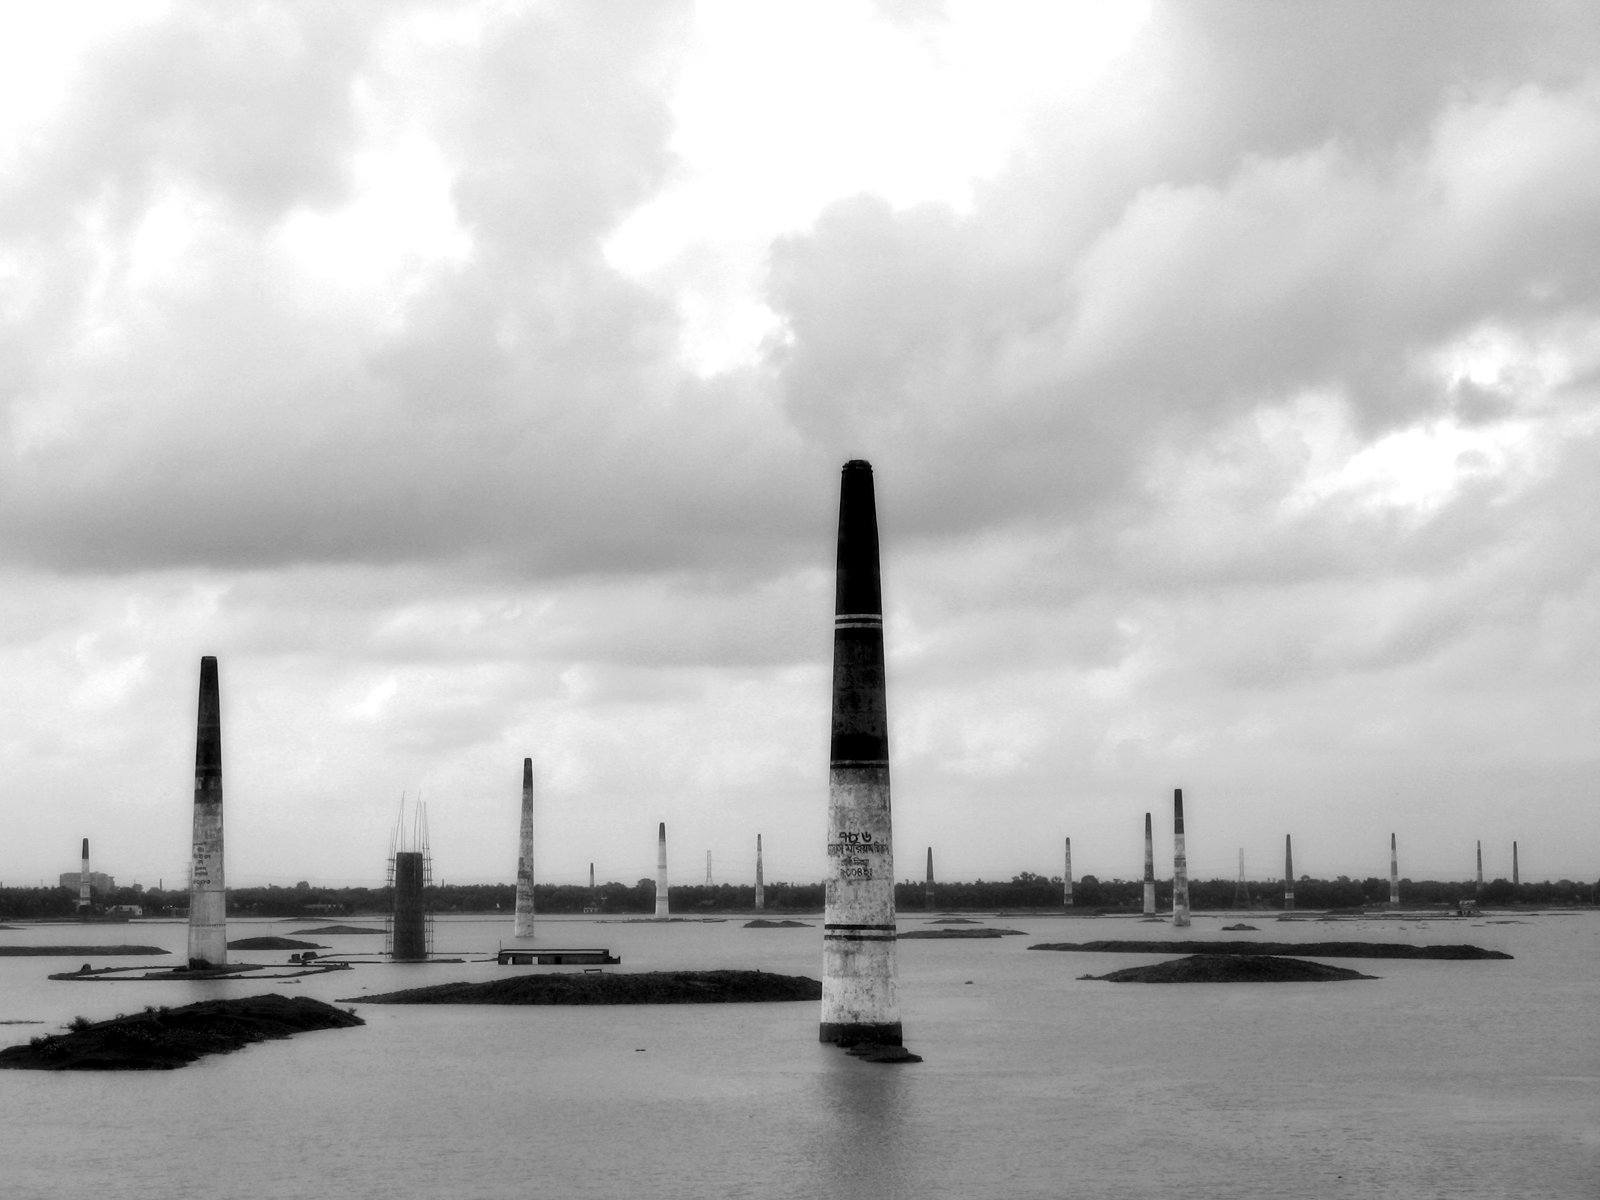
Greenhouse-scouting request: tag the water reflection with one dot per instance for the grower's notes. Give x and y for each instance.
(862, 1144)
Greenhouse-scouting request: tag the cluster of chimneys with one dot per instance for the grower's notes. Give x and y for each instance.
(859, 965)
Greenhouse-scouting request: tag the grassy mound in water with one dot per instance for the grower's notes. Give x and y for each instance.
(1232, 968)
(77, 951)
(763, 923)
(945, 934)
(272, 943)
(1296, 949)
(162, 1039)
(643, 987)
(342, 930)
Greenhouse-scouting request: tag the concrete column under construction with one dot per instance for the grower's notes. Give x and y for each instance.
(761, 893)
(85, 897)
(1066, 878)
(1394, 872)
(661, 870)
(410, 919)
(208, 895)
(523, 928)
(1180, 865)
(1288, 873)
(1149, 869)
(859, 1005)
(927, 887)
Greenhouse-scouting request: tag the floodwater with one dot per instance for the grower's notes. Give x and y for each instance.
(1441, 1079)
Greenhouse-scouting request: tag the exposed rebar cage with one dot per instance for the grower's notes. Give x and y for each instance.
(408, 925)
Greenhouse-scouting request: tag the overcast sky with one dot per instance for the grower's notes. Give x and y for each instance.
(473, 381)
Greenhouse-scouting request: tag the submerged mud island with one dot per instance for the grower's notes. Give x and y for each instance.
(163, 1039)
(642, 987)
(956, 934)
(76, 951)
(1287, 949)
(1231, 968)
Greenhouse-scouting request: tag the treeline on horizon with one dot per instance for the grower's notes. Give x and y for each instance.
(305, 901)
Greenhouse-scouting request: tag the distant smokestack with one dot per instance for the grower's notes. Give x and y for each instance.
(1180, 865)
(208, 895)
(523, 928)
(1516, 875)
(1066, 879)
(1480, 871)
(84, 898)
(1394, 873)
(708, 868)
(761, 895)
(858, 938)
(1288, 874)
(1149, 869)
(591, 877)
(927, 889)
(661, 870)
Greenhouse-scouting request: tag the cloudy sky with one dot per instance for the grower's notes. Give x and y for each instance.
(473, 380)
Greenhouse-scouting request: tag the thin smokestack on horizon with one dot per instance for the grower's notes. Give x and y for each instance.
(1480, 871)
(1516, 873)
(1149, 869)
(708, 868)
(761, 894)
(1180, 865)
(927, 888)
(1066, 878)
(858, 935)
(523, 927)
(208, 896)
(85, 898)
(661, 870)
(1288, 873)
(1394, 872)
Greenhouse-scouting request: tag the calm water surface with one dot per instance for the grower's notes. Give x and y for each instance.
(1442, 1079)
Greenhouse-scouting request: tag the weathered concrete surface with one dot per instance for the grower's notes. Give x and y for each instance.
(661, 871)
(1180, 865)
(1149, 869)
(522, 926)
(858, 941)
(208, 895)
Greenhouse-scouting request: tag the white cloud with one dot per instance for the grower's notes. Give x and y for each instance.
(473, 381)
